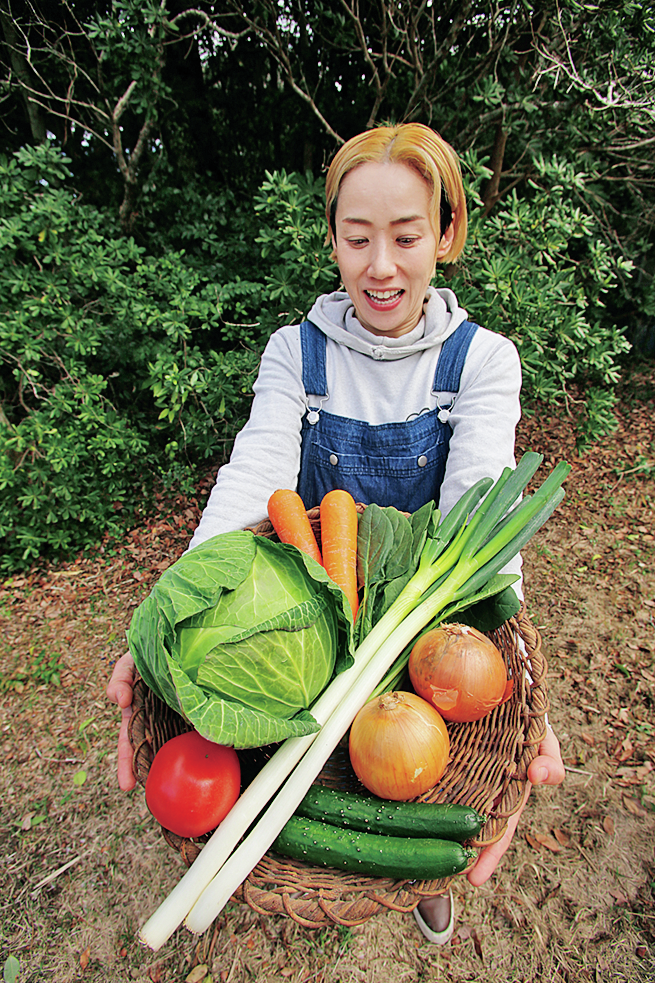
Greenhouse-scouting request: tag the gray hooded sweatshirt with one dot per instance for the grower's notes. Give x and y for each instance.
(377, 380)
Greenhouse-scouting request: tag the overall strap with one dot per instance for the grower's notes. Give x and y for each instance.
(313, 344)
(452, 357)
(446, 377)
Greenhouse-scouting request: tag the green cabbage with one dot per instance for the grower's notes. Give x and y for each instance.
(240, 636)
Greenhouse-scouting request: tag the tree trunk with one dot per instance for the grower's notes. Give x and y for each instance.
(23, 73)
(492, 190)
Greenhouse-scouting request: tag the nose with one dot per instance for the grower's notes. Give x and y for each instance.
(382, 264)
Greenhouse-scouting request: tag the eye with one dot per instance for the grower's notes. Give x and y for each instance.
(357, 242)
(407, 240)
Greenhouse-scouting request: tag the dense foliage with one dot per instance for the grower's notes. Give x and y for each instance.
(161, 214)
(112, 371)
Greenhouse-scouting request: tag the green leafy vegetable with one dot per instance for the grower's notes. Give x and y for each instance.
(389, 546)
(491, 612)
(458, 567)
(241, 635)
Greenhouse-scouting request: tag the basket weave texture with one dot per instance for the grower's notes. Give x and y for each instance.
(487, 769)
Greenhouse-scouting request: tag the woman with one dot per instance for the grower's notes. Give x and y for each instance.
(387, 390)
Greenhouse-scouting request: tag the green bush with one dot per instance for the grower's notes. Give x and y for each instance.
(121, 370)
(537, 270)
(298, 268)
(114, 374)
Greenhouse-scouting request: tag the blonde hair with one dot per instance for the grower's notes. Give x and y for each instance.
(419, 147)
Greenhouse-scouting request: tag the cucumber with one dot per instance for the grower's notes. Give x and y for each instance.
(369, 854)
(420, 819)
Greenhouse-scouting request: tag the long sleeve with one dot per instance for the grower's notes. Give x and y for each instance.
(266, 453)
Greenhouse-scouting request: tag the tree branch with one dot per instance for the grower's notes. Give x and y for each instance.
(20, 65)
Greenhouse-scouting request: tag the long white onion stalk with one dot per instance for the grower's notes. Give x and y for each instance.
(476, 552)
(170, 914)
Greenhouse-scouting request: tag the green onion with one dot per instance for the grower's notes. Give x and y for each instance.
(458, 566)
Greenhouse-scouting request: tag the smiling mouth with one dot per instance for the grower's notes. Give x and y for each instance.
(383, 297)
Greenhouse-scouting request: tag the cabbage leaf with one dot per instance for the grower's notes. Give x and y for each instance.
(240, 636)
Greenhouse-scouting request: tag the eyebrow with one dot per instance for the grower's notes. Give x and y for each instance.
(398, 221)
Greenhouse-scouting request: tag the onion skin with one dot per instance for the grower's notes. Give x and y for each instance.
(460, 671)
(399, 746)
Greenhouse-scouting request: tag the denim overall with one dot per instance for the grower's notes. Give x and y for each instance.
(399, 464)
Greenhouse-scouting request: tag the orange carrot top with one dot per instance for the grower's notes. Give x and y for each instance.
(339, 542)
(288, 516)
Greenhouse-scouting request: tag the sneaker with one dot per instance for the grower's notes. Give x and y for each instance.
(436, 918)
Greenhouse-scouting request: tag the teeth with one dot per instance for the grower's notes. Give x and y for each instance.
(383, 294)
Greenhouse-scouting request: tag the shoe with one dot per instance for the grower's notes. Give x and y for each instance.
(436, 918)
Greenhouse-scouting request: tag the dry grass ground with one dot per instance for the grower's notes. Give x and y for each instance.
(573, 900)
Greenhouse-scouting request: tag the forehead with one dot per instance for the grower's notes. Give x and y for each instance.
(384, 188)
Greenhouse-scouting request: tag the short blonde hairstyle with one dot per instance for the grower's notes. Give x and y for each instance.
(419, 147)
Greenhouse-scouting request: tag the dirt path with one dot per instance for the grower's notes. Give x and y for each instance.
(573, 900)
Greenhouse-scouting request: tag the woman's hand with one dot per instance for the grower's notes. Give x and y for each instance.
(546, 769)
(119, 690)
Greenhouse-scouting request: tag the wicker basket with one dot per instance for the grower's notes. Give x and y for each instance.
(487, 770)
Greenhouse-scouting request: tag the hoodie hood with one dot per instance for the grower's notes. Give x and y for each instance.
(335, 315)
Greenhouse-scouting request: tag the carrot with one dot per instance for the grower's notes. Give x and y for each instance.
(286, 511)
(339, 541)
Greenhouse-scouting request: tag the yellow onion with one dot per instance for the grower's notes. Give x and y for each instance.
(460, 671)
(399, 746)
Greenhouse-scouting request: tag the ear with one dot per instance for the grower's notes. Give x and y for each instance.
(446, 240)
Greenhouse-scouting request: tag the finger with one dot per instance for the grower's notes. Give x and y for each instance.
(119, 688)
(491, 856)
(547, 768)
(126, 779)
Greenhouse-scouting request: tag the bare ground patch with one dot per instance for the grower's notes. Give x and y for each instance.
(84, 865)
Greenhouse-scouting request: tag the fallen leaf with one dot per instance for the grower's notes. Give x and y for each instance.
(618, 896)
(641, 951)
(84, 958)
(562, 837)
(477, 942)
(287, 971)
(11, 969)
(624, 750)
(588, 739)
(155, 973)
(608, 825)
(197, 974)
(534, 843)
(545, 839)
(633, 806)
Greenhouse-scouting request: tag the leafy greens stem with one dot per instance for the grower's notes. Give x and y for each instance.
(252, 849)
(170, 914)
(465, 562)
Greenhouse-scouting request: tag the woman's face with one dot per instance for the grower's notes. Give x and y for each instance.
(385, 245)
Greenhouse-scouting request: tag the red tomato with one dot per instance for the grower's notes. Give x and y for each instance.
(192, 784)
